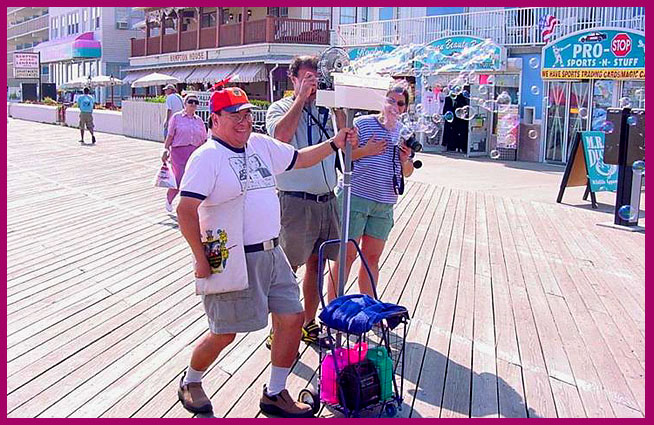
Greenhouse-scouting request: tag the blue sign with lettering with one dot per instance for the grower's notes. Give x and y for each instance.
(602, 177)
(459, 53)
(597, 53)
(360, 52)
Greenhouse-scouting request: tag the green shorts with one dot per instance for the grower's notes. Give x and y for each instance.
(368, 217)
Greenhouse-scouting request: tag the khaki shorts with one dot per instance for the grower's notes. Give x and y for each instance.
(86, 119)
(272, 288)
(305, 225)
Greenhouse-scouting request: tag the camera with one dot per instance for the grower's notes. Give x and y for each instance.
(413, 144)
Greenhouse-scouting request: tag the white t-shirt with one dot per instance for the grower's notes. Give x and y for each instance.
(216, 174)
(174, 102)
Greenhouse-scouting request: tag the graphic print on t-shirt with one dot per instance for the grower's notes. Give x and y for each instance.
(259, 177)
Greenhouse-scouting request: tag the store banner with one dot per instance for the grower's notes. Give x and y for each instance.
(602, 177)
(596, 53)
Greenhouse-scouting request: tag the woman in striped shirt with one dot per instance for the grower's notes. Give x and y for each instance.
(378, 166)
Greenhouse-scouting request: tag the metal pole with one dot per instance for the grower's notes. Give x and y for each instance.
(345, 212)
(40, 85)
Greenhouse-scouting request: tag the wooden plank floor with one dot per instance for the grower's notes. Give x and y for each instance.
(519, 308)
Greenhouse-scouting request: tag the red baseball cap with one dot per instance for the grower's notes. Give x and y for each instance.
(231, 99)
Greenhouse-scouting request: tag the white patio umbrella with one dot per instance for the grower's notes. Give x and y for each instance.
(155, 79)
(76, 83)
(105, 81)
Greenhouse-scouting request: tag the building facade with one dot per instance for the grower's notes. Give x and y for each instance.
(89, 41)
(554, 109)
(254, 46)
(27, 27)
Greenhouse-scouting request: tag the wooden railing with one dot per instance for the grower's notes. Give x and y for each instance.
(188, 41)
(267, 30)
(230, 35)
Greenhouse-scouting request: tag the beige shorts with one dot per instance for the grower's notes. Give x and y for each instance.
(306, 224)
(86, 119)
(272, 288)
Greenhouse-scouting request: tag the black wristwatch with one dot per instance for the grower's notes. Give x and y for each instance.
(333, 145)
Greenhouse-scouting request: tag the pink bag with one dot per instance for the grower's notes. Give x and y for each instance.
(165, 178)
(344, 357)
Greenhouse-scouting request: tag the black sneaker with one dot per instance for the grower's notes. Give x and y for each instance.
(310, 332)
(93, 140)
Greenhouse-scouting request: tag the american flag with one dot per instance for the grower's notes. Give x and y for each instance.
(546, 24)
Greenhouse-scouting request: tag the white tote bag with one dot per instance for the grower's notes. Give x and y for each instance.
(221, 229)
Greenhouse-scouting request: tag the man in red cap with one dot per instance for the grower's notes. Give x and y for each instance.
(229, 214)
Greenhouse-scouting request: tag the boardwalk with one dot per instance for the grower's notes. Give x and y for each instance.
(518, 308)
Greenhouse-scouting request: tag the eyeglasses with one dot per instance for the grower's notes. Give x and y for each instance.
(238, 118)
(392, 101)
(193, 102)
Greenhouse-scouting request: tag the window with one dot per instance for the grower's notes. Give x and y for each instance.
(208, 20)
(348, 15)
(96, 19)
(321, 13)
(363, 14)
(280, 12)
(121, 18)
(76, 17)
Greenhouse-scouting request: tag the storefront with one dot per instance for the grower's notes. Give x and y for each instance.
(484, 128)
(585, 73)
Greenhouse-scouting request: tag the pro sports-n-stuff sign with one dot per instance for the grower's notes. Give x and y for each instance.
(598, 53)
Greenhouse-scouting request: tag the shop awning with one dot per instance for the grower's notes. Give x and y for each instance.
(211, 74)
(76, 46)
(250, 73)
(180, 73)
(134, 75)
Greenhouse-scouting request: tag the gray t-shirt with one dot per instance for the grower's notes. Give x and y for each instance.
(319, 179)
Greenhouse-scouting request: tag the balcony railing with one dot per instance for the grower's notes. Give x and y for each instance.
(509, 27)
(268, 30)
(37, 24)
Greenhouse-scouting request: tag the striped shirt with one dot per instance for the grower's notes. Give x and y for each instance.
(372, 176)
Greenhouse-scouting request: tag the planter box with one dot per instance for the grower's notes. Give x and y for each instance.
(103, 121)
(143, 120)
(38, 113)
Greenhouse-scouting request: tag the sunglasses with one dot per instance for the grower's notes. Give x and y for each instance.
(193, 102)
(392, 101)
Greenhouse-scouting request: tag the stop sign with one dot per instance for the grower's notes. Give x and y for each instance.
(621, 44)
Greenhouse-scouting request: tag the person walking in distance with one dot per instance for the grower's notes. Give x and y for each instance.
(85, 103)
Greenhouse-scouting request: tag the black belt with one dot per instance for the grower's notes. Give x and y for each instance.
(311, 197)
(263, 246)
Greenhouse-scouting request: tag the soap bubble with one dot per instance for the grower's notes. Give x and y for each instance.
(437, 118)
(503, 101)
(483, 89)
(406, 132)
(463, 113)
(627, 213)
(638, 167)
(446, 91)
(533, 134)
(583, 113)
(632, 120)
(495, 154)
(607, 127)
(466, 94)
(624, 102)
(534, 62)
(535, 90)
(449, 116)
(490, 80)
(490, 105)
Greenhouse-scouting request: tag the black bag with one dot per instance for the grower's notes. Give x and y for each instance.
(359, 386)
